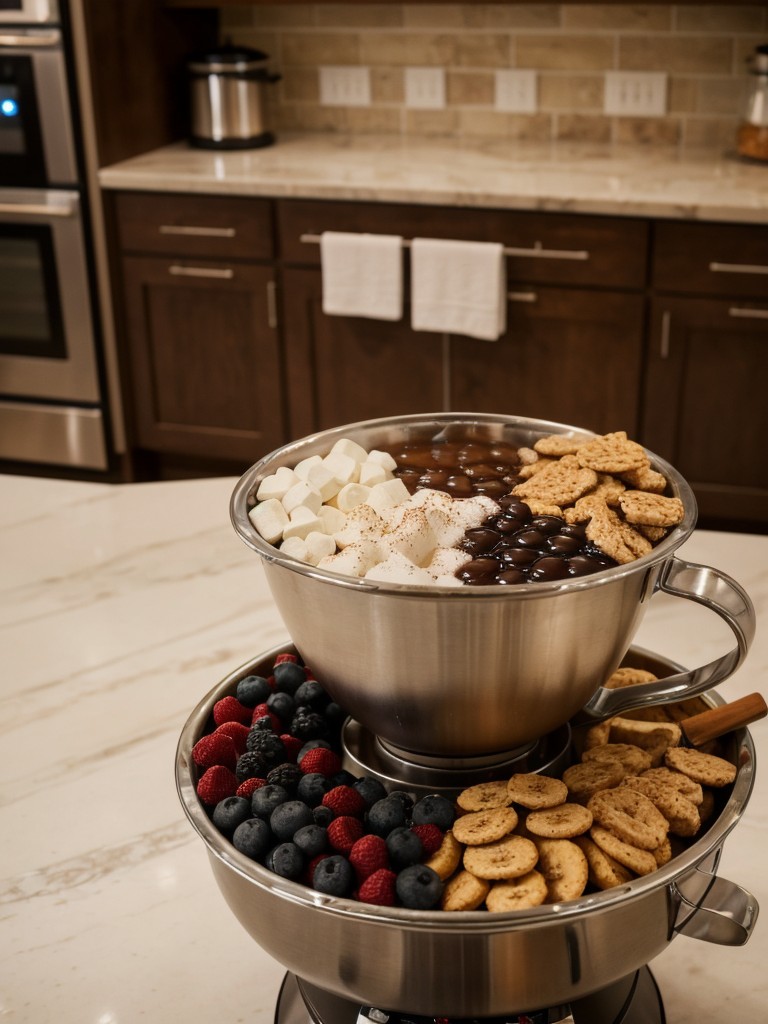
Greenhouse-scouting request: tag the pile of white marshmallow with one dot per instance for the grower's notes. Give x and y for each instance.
(348, 513)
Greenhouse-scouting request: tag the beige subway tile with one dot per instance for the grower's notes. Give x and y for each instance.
(316, 48)
(721, 18)
(258, 39)
(743, 51)
(681, 94)
(401, 49)
(720, 96)
(583, 128)
(430, 122)
(711, 132)
(233, 18)
(570, 92)
(310, 118)
(498, 124)
(359, 15)
(565, 52)
(435, 16)
(282, 15)
(387, 85)
(496, 16)
(482, 50)
(676, 53)
(632, 17)
(300, 85)
(470, 88)
(374, 120)
(648, 130)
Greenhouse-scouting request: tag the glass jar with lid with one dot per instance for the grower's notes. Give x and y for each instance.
(752, 137)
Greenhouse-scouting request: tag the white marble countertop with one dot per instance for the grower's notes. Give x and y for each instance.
(634, 181)
(120, 607)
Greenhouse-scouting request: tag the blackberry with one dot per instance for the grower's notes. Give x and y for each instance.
(312, 788)
(370, 789)
(307, 724)
(419, 887)
(252, 690)
(282, 705)
(286, 775)
(288, 677)
(289, 817)
(253, 838)
(285, 860)
(404, 848)
(231, 812)
(434, 810)
(266, 799)
(385, 815)
(251, 765)
(312, 840)
(262, 724)
(334, 876)
(268, 745)
(311, 694)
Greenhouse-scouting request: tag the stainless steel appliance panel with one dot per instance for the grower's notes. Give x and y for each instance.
(61, 435)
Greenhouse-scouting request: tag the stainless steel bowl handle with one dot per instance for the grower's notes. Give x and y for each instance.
(716, 591)
(726, 915)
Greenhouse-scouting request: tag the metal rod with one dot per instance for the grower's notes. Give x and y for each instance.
(219, 272)
(738, 268)
(666, 323)
(536, 251)
(748, 314)
(182, 229)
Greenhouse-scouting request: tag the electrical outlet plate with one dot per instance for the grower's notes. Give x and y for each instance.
(425, 88)
(635, 93)
(516, 91)
(346, 86)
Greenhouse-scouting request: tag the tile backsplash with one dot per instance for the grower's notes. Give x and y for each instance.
(701, 52)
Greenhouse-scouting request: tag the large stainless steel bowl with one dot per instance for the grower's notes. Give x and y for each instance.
(416, 665)
(477, 963)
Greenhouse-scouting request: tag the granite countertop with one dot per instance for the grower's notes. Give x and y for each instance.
(120, 607)
(637, 181)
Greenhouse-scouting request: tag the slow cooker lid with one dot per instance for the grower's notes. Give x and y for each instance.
(228, 59)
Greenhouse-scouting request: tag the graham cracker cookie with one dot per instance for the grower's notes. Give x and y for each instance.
(628, 676)
(447, 857)
(559, 444)
(633, 759)
(522, 893)
(510, 857)
(543, 508)
(630, 816)
(645, 479)
(612, 453)
(640, 862)
(606, 529)
(682, 815)
(534, 791)
(479, 827)
(484, 796)
(648, 509)
(464, 891)
(609, 488)
(652, 533)
(561, 482)
(564, 868)
(585, 779)
(532, 468)
(562, 822)
(706, 769)
(604, 871)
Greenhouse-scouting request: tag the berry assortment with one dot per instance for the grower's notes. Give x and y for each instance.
(272, 781)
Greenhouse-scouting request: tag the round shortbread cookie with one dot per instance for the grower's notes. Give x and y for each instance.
(447, 857)
(706, 769)
(562, 822)
(479, 827)
(564, 866)
(630, 816)
(604, 871)
(464, 891)
(484, 796)
(522, 893)
(509, 857)
(682, 815)
(641, 862)
(587, 778)
(536, 791)
(632, 758)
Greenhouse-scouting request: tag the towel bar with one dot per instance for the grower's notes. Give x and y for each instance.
(536, 251)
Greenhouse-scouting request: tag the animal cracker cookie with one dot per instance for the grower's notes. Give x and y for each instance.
(632, 758)
(604, 871)
(630, 816)
(464, 891)
(447, 857)
(585, 779)
(564, 867)
(479, 827)
(560, 483)
(648, 509)
(640, 862)
(484, 796)
(706, 769)
(612, 453)
(510, 857)
(536, 791)
(522, 893)
(562, 822)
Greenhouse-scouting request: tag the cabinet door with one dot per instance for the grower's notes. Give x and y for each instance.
(567, 355)
(204, 358)
(343, 369)
(705, 401)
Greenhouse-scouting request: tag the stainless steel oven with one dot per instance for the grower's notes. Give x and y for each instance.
(50, 395)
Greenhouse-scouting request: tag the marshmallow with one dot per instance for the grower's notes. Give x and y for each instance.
(362, 523)
(350, 448)
(354, 560)
(319, 545)
(397, 568)
(388, 494)
(302, 468)
(445, 561)
(413, 537)
(323, 480)
(276, 485)
(344, 468)
(304, 494)
(302, 521)
(269, 519)
(350, 496)
(372, 473)
(295, 547)
(383, 459)
(332, 518)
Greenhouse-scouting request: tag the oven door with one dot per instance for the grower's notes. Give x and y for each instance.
(23, 12)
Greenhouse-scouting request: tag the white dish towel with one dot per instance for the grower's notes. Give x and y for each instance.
(362, 274)
(458, 287)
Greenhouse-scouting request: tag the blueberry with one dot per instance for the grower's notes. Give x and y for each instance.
(266, 799)
(285, 860)
(323, 815)
(289, 817)
(288, 677)
(335, 717)
(231, 812)
(405, 799)
(404, 848)
(311, 840)
(418, 887)
(385, 815)
(269, 745)
(334, 876)
(311, 694)
(343, 778)
(370, 789)
(282, 705)
(434, 810)
(253, 837)
(312, 788)
(253, 690)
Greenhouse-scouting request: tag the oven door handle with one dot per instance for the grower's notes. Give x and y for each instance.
(32, 41)
(63, 208)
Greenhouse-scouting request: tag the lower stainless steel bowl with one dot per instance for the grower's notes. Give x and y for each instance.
(477, 963)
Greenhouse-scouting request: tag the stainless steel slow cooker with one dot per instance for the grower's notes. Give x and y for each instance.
(229, 103)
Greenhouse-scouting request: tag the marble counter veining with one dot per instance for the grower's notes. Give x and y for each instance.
(120, 607)
(637, 181)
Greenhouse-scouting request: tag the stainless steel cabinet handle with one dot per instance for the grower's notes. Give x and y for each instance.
(65, 209)
(738, 268)
(31, 40)
(199, 231)
(272, 304)
(223, 273)
(748, 314)
(536, 251)
(522, 296)
(666, 324)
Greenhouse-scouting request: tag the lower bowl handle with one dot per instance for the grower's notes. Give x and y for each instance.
(716, 591)
(726, 915)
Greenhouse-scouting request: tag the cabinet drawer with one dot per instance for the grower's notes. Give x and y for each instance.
(711, 259)
(545, 248)
(195, 226)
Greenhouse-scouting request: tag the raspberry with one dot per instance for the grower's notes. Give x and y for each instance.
(431, 838)
(309, 871)
(262, 711)
(286, 657)
(321, 760)
(369, 854)
(229, 709)
(237, 732)
(379, 888)
(215, 749)
(292, 746)
(217, 783)
(246, 788)
(344, 800)
(343, 833)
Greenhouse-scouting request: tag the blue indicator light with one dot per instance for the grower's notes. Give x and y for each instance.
(9, 108)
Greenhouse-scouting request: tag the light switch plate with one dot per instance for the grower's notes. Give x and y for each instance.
(425, 88)
(516, 90)
(635, 93)
(345, 86)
